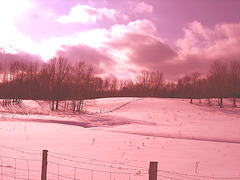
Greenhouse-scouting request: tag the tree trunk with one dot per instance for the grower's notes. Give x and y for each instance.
(81, 106)
(74, 105)
(52, 105)
(78, 106)
(191, 101)
(57, 101)
(209, 102)
(234, 103)
(221, 102)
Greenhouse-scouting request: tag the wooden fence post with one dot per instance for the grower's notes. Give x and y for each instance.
(153, 170)
(44, 165)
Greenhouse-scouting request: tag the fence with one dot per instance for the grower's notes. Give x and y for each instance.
(56, 166)
(104, 111)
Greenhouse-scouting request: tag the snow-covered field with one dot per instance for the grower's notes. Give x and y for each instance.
(118, 137)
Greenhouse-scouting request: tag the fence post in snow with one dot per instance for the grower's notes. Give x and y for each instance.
(153, 170)
(44, 165)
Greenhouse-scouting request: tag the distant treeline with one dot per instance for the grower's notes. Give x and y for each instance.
(58, 80)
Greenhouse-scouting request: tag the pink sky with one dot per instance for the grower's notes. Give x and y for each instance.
(121, 38)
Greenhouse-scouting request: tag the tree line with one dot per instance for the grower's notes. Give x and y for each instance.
(58, 80)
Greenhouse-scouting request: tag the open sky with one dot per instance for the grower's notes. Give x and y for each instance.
(121, 38)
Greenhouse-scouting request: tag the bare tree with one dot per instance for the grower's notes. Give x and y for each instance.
(183, 88)
(113, 86)
(194, 82)
(58, 70)
(32, 70)
(52, 71)
(169, 90)
(63, 68)
(217, 77)
(156, 81)
(143, 82)
(234, 80)
(82, 76)
(150, 82)
(18, 71)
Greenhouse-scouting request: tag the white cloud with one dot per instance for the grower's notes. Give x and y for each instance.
(87, 14)
(139, 26)
(103, 41)
(143, 8)
(220, 42)
(13, 41)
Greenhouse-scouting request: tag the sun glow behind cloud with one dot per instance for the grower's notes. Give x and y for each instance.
(11, 40)
(12, 9)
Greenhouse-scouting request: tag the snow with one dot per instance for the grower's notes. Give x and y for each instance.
(122, 135)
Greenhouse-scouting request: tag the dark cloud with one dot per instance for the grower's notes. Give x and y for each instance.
(196, 51)
(149, 52)
(177, 69)
(8, 57)
(90, 55)
(146, 52)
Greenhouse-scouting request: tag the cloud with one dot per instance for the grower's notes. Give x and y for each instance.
(125, 50)
(202, 45)
(143, 8)
(8, 57)
(115, 51)
(90, 55)
(210, 43)
(135, 47)
(16, 46)
(12, 41)
(143, 50)
(139, 26)
(86, 14)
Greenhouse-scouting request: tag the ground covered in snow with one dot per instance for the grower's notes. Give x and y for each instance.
(116, 138)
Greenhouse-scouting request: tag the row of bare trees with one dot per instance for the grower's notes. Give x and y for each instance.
(59, 80)
(55, 80)
(222, 81)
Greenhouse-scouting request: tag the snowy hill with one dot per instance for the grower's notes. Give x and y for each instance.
(118, 137)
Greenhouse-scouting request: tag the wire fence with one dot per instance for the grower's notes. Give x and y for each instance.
(91, 169)
(26, 164)
(105, 110)
(19, 168)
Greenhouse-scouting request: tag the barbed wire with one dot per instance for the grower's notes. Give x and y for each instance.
(106, 164)
(177, 178)
(91, 159)
(86, 169)
(90, 170)
(15, 169)
(197, 176)
(21, 169)
(18, 177)
(59, 175)
(103, 111)
(172, 178)
(23, 159)
(21, 150)
(101, 165)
